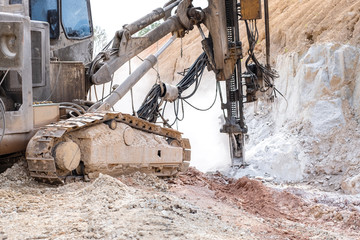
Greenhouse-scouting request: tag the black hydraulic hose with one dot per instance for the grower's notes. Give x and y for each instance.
(149, 109)
(73, 105)
(71, 109)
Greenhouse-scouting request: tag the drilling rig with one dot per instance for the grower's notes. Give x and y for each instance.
(47, 70)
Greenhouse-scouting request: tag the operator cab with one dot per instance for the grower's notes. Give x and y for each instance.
(70, 27)
(61, 34)
(75, 17)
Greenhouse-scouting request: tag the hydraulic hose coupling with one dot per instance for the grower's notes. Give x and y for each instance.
(171, 92)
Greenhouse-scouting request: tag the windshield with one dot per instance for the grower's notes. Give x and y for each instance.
(46, 11)
(75, 19)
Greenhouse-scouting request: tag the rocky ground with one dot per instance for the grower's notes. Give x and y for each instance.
(193, 206)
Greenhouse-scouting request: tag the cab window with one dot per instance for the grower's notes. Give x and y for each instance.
(46, 11)
(76, 19)
(12, 2)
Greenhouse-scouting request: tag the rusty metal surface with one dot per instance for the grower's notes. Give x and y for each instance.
(42, 164)
(149, 127)
(250, 9)
(68, 81)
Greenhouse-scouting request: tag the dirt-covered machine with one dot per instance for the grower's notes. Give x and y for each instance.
(46, 71)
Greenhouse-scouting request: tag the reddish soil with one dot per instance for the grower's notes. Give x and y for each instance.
(282, 214)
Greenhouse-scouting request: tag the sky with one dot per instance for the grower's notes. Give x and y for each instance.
(111, 15)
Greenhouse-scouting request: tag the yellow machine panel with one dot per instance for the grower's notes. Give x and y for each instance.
(45, 114)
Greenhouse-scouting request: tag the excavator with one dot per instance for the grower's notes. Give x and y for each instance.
(47, 70)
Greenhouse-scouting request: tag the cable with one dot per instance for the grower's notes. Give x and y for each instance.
(149, 110)
(131, 92)
(111, 84)
(72, 109)
(176, 111)
(221, 97)
(2, 109)
(193, 75)
(103, 91)
(268, 73)
(96, 96)
(78, 107)
(206, 109)
(157, 73)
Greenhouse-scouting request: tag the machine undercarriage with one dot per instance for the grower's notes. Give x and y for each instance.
(108, 142)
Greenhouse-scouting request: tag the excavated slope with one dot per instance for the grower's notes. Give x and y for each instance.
(294, 26)
(311, 134)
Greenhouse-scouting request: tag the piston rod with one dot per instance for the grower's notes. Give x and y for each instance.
(131, 80)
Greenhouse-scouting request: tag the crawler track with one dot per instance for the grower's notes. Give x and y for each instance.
(39, 152)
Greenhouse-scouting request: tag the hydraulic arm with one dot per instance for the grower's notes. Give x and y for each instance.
(126, 47)
(223, 50)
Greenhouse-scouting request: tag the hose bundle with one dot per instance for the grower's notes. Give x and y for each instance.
(149, 110)
(269, 74)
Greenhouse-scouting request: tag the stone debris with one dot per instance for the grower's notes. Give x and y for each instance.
(192, 206)
(105, 208)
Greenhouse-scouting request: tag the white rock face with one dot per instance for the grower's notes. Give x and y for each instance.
(314, 133)
(326, 115)
(351, 185)
(317, 84)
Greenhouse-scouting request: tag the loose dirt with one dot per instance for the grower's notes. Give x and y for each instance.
(193, 206)
(107, 208)
(270, 211)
